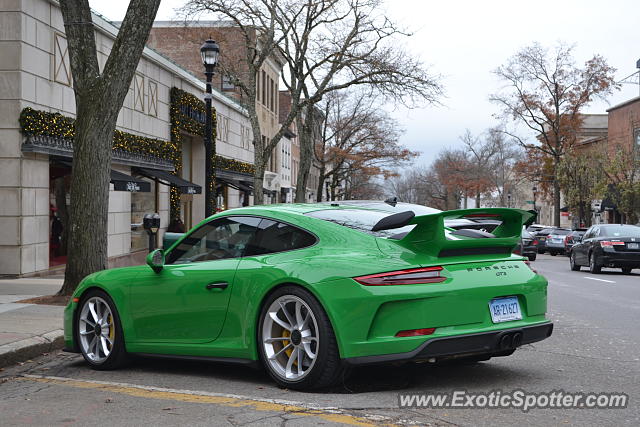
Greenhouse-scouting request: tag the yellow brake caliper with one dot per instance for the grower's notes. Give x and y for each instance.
(112, 330)
(286, 334)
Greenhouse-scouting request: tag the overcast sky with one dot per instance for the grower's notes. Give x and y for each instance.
(465, 40)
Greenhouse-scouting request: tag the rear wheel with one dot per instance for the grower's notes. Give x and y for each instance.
(553, 253)
(532, 257)
(626, 270)
(296, 341)
(99, 332)
(594, 267)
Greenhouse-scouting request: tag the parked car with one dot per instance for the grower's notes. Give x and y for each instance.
(572, 238)
(607, 245)
(555, 241)
(541, 239)
(308, 290)
(526, 247)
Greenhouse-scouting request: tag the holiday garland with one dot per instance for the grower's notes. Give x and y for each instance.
(35, 122)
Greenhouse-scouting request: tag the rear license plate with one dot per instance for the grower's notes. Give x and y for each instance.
(632, 245)
(505, 309)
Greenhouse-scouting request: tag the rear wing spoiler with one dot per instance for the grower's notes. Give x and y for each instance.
(428, 235)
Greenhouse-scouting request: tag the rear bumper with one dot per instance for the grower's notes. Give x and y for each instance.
(555, 246)
(487, 343)
(620, 259)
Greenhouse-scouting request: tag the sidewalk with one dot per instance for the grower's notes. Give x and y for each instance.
(27, 330)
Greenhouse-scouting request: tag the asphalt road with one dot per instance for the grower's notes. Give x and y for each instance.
(595, 348)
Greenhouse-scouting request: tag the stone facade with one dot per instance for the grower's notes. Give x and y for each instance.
(35, 72)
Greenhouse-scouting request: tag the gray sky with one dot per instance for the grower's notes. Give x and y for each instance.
(465, 40)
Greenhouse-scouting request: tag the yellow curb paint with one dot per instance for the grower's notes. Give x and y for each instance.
(258, 405)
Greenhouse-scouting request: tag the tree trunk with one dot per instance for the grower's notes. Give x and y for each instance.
(259, 164)
(99, 97)
(556, 194)
(306, 157)
(321, 178)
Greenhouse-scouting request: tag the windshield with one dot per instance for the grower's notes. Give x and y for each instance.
(620, 231)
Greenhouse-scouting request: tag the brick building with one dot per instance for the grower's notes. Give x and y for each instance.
(182, 45)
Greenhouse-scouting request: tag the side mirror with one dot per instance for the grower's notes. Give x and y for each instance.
(155, 260)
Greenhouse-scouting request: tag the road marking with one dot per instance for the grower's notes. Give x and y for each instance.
(259, 404)
(599, 280)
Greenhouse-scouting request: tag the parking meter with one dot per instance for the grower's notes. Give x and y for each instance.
(151, 223)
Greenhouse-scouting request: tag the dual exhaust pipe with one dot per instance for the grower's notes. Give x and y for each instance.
(509, 340)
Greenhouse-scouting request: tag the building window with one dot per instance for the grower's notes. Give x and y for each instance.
(636, 137)
(264, 87)
(138, 92)
(61, 66)
(153, 98)
(226, 83)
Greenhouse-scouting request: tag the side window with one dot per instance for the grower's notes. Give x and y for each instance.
(275, 236)
(219, 239)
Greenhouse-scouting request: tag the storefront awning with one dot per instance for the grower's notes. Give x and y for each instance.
(121, 181)
(185, 187)
(124, 182)
(234, 183)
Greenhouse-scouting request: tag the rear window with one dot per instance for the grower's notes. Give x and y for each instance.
(359, 219)
(620, 231)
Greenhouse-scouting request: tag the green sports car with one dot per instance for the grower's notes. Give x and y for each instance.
(308, 290)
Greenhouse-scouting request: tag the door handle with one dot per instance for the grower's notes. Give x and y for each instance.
(217, 285)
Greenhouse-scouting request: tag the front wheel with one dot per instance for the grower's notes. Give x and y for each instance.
(572, 262)
(99, 332)
(553, 253)
(296, 341)
(626, 270)
(532, 257)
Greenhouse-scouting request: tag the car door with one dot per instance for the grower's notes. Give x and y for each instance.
(582, 256)
(186, 301)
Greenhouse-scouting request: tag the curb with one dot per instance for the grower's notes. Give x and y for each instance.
(28, 348)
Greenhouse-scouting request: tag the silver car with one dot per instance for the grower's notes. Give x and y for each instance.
(555, 241)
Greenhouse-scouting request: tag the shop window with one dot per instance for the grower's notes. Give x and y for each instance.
(142, 203)
(62, 66)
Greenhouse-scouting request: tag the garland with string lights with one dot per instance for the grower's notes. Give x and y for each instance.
(187, 114)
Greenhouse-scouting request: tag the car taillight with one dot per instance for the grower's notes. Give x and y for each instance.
(607, 243)
(412, 276)
(416, 332)
(529, 265)
(535, 242)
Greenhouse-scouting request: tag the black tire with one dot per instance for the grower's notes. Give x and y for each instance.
(594, 267)
(572, 262)
(626, 270)
(328, 369)
(532, 257)
(118, 356)
(553, 253)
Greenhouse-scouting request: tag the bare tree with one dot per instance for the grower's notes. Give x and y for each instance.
(503, 175)
(357, 137)
(545, 91)
(480, 155)
(99, 97)
(327, 46)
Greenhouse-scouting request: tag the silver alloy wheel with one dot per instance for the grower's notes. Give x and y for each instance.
(290, 337)
(96, 329)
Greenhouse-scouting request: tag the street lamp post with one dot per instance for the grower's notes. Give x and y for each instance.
(509, 199)
(209, 53)
(535, 191)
